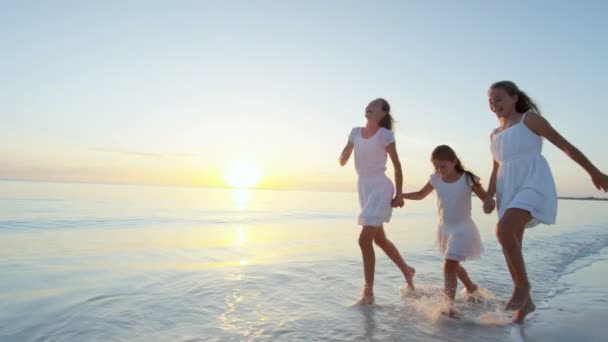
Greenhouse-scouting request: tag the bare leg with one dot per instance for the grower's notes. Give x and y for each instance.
(509, 266)
(526, 308)
(366, 239)
(466, 281)
(450, 275)
(513, 303)
(510, 235)
(391, 251)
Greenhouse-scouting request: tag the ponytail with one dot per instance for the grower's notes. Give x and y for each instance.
(387, 120)
(469, 174)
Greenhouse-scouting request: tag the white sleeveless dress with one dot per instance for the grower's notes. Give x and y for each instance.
(457, 235)
(375, 189)
(524, 179)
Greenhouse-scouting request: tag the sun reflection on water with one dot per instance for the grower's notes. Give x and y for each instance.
(241, 198)
(240, 235)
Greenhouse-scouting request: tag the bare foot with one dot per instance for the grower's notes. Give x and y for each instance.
(366, 300)
(452, 313)
(473, 288)
(517, 299)
(527, 307)
(409, 277)
(367, 297)
(470, 294)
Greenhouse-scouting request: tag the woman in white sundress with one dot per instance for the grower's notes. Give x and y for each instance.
(522, 180)
(377, 195)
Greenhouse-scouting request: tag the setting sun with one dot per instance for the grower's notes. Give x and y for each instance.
(243, 174)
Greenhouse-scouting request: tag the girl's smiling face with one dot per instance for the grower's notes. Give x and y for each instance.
(501, 102)
(444, 168)
(374, 111)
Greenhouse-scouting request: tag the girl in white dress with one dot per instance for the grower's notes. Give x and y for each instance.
(522, 180)
(377, 196)
(457, 235)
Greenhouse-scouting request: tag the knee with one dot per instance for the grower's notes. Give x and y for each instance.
(450, 266)
(511, 226)
(381, 242)
(365, 241)
(503, 234)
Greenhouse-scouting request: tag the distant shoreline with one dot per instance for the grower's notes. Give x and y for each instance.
(582, 198)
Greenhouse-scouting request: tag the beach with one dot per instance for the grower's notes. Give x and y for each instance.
(577, 311)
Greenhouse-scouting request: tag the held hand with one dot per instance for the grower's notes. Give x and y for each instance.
(600, 181)
(397, 202)
(488, 205)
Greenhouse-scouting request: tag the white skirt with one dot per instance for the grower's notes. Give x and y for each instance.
(527, 184)
(375, 196)
(460, 241)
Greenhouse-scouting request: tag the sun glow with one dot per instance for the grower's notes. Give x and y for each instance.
(243, 175)
(240, 235)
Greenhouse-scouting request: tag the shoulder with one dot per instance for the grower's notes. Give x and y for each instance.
(471, 180)
(536, 122)
(385, 131)
(433, 179)
(388, 134)
(532, 117)
(530, 114)
(353, 134)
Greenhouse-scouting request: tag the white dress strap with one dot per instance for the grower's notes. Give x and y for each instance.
(523, 117)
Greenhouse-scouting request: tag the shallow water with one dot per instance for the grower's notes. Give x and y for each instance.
(89, 262)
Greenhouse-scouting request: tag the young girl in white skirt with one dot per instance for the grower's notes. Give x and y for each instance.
(457, 235)
(377, 195)
(522, 180)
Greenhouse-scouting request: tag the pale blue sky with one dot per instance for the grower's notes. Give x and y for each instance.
(170, 92)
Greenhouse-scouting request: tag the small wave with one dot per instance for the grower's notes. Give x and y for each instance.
(104, 298)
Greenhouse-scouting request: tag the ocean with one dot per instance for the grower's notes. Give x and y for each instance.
(91, 262)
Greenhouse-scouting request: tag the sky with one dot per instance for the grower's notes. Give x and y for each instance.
(173, 92)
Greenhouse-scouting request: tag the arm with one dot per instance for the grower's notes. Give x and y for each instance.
(541, 126)
(480, 192)
(346, 152)
(492, 186)
(392, 152)
(418, 195)
(488, 203)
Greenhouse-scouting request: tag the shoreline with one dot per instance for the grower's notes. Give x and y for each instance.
(591, 198)
(578, 311)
